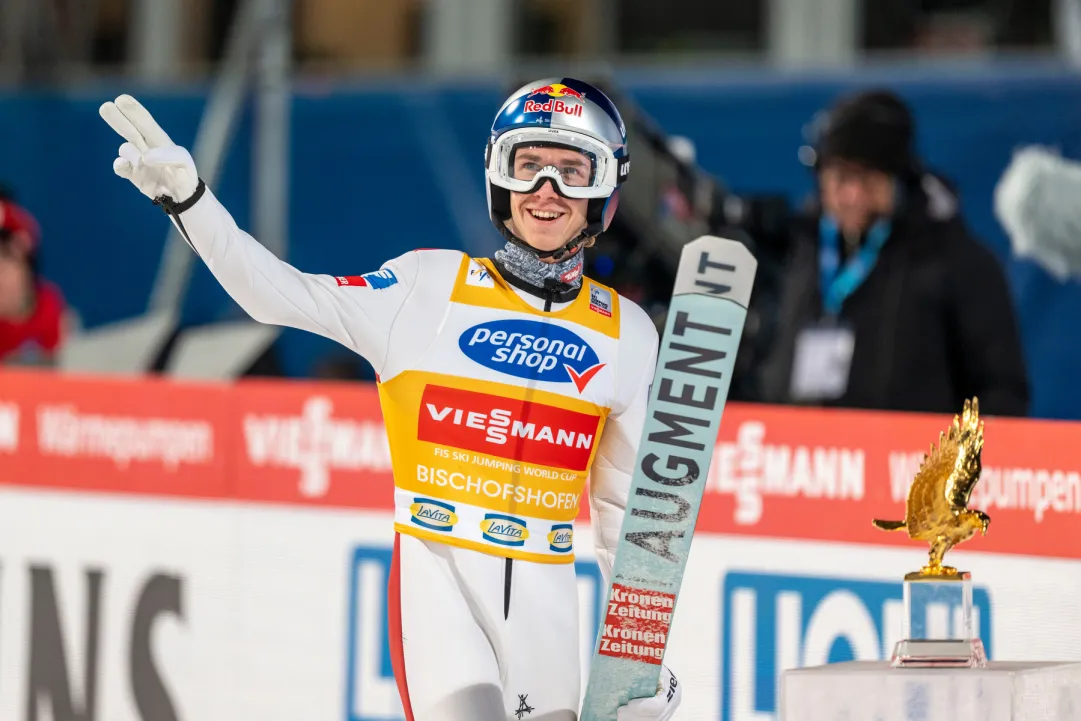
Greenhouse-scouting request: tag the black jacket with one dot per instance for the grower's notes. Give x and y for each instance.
(934, 323)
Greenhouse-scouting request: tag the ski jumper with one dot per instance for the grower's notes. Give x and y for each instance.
(498, 404)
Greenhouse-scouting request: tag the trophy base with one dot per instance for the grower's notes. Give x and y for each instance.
(946, 653)
(873, 691)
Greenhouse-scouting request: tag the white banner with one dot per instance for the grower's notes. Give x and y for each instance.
(120, 608)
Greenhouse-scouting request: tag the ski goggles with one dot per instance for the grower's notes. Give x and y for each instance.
(578, 166)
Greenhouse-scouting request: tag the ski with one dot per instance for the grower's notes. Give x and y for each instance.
(690, 387)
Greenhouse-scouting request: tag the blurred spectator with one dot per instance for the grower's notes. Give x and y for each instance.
(888, 302)
(31, 309)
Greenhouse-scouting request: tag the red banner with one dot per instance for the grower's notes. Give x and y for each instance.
(796, 473)
(776, 472)
(108, 434)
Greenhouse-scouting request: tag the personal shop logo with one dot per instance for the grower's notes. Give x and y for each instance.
(532, 350)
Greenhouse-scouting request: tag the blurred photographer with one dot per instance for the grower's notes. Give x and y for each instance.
(32, 310)
(888, 302)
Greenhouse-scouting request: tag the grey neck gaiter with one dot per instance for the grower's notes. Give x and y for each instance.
(528, 267)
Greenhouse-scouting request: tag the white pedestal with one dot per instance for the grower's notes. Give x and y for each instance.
(873, 691)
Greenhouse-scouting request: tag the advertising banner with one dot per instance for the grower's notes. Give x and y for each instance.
(203, 551)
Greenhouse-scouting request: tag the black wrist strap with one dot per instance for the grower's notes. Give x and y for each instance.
(171, 207)
(174, 209)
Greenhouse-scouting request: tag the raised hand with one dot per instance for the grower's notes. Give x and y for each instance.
(157, 166)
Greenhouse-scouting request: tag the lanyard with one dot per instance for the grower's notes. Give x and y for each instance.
(837, 283)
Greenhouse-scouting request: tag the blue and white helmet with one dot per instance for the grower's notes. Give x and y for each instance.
(561, 112)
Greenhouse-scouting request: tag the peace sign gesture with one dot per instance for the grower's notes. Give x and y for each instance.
(149, 158)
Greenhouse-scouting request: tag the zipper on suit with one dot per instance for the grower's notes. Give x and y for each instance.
(548, 294)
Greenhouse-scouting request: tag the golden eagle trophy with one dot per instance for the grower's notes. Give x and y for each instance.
(938, 620)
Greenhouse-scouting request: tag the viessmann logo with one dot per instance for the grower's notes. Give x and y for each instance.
(532, 350)
(315, 442)
(752, 470)
(508, 428)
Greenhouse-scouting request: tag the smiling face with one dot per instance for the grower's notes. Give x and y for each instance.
(545, 219)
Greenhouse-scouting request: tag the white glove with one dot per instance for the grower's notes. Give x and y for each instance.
(657, 708)
(149, 159)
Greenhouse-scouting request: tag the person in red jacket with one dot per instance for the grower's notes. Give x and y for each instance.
(31, 308)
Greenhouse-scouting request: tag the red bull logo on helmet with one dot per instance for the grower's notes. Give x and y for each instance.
(554, 104)
(558, 90)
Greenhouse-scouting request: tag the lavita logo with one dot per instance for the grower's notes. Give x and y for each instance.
(432, 514)
(772, 623)
(504, 530)
(561, 538)
(371, 693)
